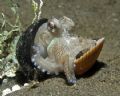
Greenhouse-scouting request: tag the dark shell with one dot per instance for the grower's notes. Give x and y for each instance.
(23, 48)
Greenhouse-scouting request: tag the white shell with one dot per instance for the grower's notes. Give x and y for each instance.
(6, 91)
(15, 88)
(26, 84)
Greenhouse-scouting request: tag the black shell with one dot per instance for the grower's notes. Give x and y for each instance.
(25, 42)
(23, 48)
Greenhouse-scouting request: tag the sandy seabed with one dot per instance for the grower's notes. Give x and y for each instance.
(93, 19)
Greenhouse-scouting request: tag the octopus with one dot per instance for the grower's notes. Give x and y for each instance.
(62, 49)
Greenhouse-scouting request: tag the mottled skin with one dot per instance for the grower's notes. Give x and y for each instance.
(62, 49)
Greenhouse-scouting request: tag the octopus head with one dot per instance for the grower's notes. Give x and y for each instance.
(60, 26)
(54, 26)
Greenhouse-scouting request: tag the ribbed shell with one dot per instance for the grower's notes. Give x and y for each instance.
(85, 62)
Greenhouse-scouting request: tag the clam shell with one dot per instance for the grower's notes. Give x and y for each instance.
(87, 60)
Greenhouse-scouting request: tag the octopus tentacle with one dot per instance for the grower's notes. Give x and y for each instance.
(69, 70)
(45, 64)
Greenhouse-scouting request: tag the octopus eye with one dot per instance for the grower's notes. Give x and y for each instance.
(51, 25)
